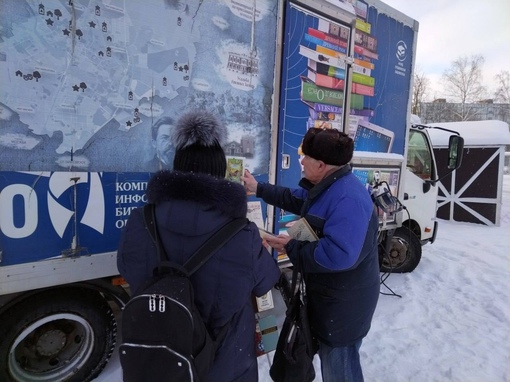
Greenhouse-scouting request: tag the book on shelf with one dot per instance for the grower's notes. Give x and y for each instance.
(340, 31)
(327, 37)
(320, 57)
(301, 230)
(362, 69)
(321, 124)
(324, 116)
(365, 52)
(327, 70)
(313, 93)
(362, 79)
(323, 108)
(317, 41)
(334, 83)
(363, 26)
(366, 64)
(338, 73)
(359, 64)
(361, 9)
(363, 89)
(363, 112)
(325, 81)
(365, 40)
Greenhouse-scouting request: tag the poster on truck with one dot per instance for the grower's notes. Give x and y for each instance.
(90, 93)
(314, 80)
(96, 86)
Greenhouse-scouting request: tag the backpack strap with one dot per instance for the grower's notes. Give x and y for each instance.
(206, 250)
(215, 242)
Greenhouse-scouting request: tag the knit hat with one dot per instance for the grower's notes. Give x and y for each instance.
(328, 145)
(198, 137)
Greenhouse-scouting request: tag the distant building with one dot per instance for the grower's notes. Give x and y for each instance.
(441, 111)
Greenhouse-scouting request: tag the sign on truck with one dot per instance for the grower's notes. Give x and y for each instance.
(89, 94)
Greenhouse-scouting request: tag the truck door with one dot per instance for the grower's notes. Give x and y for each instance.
(314, 45)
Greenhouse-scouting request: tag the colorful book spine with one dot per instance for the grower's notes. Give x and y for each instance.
(323, 108)
(365, 52)
(363, 112)
(336, 55)
(329, 52)
(361, 9)
(335, 83)
(365, 40)
(318, 107)
(362, 58)
(363, 26)
(324, 116)
(364, 63)
(362, 79)
(327, 37)
(361, 70)
(325, 44)
(313, 93)
(324, 124)
(338, 73)
(320, 57)
(363, 89)
(325, 81)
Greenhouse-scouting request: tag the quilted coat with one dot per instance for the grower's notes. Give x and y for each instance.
(190, 207)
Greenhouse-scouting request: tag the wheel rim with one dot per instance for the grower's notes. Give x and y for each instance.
(51, 349)
(398, 253)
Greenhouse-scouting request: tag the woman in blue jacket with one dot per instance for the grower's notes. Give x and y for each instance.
(192, 202)
(342, 268)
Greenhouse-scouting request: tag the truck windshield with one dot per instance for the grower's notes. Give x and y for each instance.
(419, 159)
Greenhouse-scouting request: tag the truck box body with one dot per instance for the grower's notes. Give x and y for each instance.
(85, 86)
(320, 38)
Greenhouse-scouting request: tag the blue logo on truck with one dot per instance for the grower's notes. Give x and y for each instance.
(46, 215)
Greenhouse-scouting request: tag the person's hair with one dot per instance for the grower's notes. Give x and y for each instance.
(328, 145)
(197, 138)
(159, 122)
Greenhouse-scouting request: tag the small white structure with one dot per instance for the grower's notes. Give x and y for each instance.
(473, 192)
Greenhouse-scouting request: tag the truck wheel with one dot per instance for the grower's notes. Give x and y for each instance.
(57, 335)
(404, 254)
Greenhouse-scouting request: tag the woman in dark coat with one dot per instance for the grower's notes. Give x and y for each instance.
(192, 202)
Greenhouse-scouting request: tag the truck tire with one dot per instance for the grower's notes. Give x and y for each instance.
(404, 254)
(57, 335)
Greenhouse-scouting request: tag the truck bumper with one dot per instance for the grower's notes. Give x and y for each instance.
(433, 238)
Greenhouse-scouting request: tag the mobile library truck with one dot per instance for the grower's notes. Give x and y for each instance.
(85, 88)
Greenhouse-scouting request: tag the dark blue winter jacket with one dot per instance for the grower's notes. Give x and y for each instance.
(189, 209)
(342, 267)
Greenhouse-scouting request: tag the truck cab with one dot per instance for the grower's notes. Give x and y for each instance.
(421, 185)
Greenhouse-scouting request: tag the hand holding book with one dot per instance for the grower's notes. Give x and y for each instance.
(301, 230)
(278, 242)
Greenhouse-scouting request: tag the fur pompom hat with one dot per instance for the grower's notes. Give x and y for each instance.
(198, 136)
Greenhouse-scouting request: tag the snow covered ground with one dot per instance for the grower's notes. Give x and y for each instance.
(452, 321)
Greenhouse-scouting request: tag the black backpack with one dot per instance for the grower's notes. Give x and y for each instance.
(163, 335)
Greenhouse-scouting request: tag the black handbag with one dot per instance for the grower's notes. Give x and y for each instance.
(296, 347)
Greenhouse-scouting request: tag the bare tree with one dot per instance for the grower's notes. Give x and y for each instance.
(463, 82)
(502, 93)
(420, 87)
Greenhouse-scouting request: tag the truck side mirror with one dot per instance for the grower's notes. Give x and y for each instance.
(455, 150)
